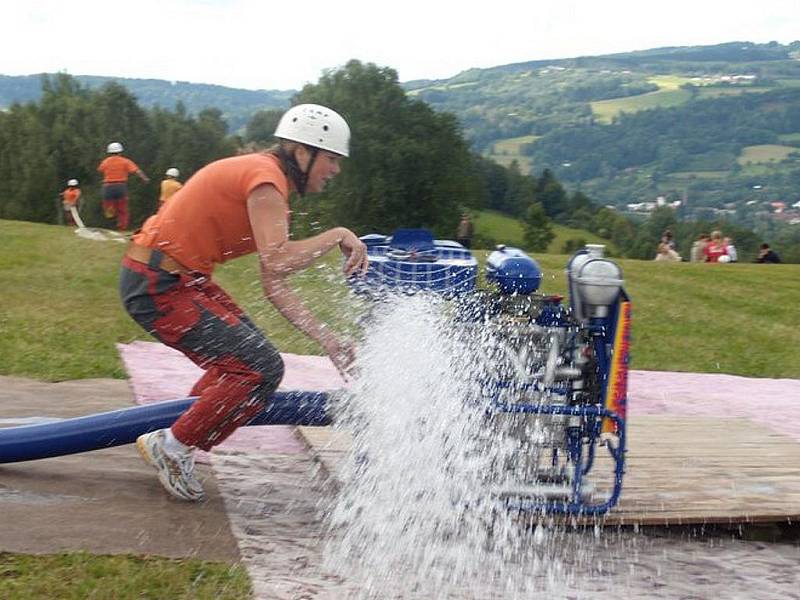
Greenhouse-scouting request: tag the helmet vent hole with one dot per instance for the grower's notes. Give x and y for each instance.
(294, 120)
(324, 128)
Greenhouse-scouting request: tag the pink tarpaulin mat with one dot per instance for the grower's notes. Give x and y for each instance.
(774, 403)
(160, 373)
(157, 372)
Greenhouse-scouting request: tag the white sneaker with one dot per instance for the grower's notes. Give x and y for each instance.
(175, 471)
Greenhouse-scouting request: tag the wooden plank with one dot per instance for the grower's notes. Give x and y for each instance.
(679, 471)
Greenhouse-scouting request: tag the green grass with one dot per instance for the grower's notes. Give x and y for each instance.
(78, 575)
(668, 94)
(764, 153)
(60, 316)
(507, 230)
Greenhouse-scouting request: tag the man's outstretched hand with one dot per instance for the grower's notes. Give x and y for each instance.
(355, 251)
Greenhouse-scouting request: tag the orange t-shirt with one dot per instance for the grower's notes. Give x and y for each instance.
(207, 222)
(71, 195)
(115, 169)
(168, 188)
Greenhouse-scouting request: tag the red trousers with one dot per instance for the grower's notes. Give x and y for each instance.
(198, 318)
(118, 208)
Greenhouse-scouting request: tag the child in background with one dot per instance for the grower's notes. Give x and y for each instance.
(169, 185)
(70, 198)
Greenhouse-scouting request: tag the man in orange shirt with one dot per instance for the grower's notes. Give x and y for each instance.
(169, 185)
(116, 169)
(230, 208)
(69, 200)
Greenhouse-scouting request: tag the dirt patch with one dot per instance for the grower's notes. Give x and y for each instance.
(103, 502)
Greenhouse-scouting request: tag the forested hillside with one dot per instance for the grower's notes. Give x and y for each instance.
(237, 106)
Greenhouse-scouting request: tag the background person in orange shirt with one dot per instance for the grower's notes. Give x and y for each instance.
(116, 169)
(230, 208)
(169, 185)
(70, 198)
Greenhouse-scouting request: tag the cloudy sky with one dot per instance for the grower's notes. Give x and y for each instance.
(264, 44)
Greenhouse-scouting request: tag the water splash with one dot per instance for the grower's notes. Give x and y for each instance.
(416, 514)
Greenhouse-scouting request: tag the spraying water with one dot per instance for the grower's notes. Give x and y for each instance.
(417, 514)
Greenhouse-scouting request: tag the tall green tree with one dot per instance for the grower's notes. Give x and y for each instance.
(538, 232)
(409, 166)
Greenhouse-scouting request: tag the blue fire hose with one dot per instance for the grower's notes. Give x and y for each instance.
(118, 427)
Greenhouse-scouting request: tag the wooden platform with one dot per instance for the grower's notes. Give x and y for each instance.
(679, 471)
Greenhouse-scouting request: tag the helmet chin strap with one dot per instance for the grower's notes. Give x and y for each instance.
(298, 176)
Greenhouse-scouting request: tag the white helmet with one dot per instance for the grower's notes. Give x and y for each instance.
(315, 126)
(114, 148)
(173, 172)
(72, 182)
(724, 259)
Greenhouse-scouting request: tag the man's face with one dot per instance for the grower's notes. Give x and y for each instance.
(326, 166)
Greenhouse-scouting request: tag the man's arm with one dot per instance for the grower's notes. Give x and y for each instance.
(280, 257)
(269, 221)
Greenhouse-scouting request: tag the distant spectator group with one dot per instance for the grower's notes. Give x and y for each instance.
(714, 248)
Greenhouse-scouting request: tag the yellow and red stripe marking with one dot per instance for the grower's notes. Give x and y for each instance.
(617, 388)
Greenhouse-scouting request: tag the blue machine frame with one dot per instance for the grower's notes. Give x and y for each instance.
(596, 416)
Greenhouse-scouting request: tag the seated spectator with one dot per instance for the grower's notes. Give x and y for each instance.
(731, 249)
(715, 248)
(666, 250)
(666, 238)
(767, 255)
(697, 253)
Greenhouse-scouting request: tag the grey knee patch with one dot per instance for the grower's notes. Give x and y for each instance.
(272, 369)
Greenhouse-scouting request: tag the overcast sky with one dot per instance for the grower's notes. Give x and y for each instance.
(269, 44)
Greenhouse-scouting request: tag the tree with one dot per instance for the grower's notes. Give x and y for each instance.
(408, 165)
(261, 127)
(538, 231)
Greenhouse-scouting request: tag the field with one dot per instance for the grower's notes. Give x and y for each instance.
(668, 94)
(504, 152)
(764, 153)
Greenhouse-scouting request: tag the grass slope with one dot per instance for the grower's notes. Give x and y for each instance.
(60, 313)
(60, 316)
(508, 230)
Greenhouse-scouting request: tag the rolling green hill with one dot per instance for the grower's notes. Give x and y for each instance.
(617, 126)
